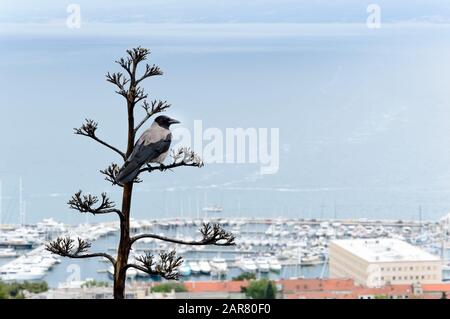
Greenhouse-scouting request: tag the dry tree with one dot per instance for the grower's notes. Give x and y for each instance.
(167, 263)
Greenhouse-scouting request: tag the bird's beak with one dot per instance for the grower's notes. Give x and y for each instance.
(173, 121)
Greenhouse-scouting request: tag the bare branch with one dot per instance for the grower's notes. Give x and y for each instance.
(138, 54)
(166, 267)
(120, 81)
(133, 94)
(212, 235)
(135, 56)
(65, 247)
(184, 156)
(138, 93)
(150, 71)
(111, 173)
(85, 203)
(125, 63)
(88, 129)
(156, 107)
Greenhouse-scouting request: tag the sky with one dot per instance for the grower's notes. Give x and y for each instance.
(363, 114)
(225, 11)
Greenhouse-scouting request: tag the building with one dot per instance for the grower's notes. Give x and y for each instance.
(379, 262)
(342, 289)
(287, 289)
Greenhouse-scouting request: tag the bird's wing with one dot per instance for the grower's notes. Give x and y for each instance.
(143, 152)
(146, 149)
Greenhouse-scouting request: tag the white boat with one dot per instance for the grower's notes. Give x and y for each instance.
(274, 265)
(247, 265)
(310, 259)
(184, 270)
(219, 266)
(262, 264)
(195, 268)
(16, 243)
(205, 268)
(7, 253)
(131, 272)
(22, 274)
(330, 232)
(48, 262)
(212, 209)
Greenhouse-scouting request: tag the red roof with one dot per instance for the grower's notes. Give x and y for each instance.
(211, 286)
(321, 288)
(320, 295)
(338, 284)
(295, 285)
(436, 287)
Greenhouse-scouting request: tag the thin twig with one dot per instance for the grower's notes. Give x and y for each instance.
(65, 247)
(166, 267)
(212, 235)
(182, 157)
(88, 129)
(156, 107)
(85, 204)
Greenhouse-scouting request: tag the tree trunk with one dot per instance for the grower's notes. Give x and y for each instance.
(124, 244)
(123, 251)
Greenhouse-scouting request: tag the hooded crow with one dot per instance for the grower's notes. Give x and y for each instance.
(151, 147)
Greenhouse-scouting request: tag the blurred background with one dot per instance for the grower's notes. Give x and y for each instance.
(363, 113)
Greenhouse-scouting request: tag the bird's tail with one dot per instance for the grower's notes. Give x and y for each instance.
(127, 173)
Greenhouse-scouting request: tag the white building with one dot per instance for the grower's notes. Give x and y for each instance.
(377, 262)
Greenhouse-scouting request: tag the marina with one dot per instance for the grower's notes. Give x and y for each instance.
(268, 248)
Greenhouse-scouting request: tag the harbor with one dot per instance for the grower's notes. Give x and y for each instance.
(268, 248)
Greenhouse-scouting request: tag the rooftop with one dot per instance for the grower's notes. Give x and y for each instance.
(385, 250)
(214, 286)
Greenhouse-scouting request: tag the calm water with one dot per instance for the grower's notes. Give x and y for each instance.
(272, 203)
(363, 118)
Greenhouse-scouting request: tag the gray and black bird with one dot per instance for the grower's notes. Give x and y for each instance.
(151, 147)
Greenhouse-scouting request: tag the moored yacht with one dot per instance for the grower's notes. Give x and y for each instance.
(131, 273)
(22, 274)
(310, 259)
(205, 268)
(212, 209)
(274, 264)
(263, 264)
(195, 268)
(7, 253)
(184, 270)
(219, 266)
(247, 265)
